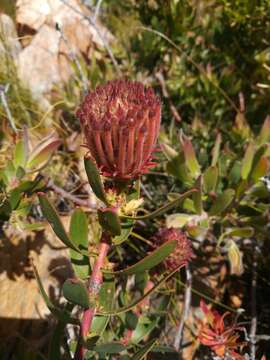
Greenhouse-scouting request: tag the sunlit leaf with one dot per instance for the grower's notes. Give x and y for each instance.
(51, 215)
(190, 157)
(247, 161)
(43, 152)
(153, 259)
(78, 234)
(210, 179)
(94, 179)
(20, 154)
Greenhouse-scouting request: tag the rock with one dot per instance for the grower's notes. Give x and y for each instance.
(47, 60)
(38, 62)
(9, 33)
(22, 303)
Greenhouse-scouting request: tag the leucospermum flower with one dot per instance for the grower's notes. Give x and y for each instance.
(121, 122)
(181, 254)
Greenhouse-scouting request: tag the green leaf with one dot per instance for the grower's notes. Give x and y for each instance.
(197, 196)
(55, 343)
(247, 161)
(43, 152)
(147, 263)
(95, 179)
(131, 320)
(109, 221)
(235, 173)
(244, 232)
(75, 291)
(126, 229)
(20, 154)
(168, 151)
(78, 233)
(144, 351)
(143, 328)
(210, 179)
(235, 258)
(178, 169)
(260, 169)
(264, 136)
(106, 293)
(109, 348)
(51, 215)
(99, 324)
(216, 150)
(170, 205)
(190, 157)
(178, 220)
(222, 202)
(15, 197)
(43, 293)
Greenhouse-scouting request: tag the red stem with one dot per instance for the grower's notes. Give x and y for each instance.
(94, 286)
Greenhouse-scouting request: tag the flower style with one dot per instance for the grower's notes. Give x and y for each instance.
(220, 338)
(121, 122)
(181, 254)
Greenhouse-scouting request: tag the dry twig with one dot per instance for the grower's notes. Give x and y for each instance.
(185, 311)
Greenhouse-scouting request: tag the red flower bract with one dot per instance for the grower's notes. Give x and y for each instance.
(121, 122)
(223, 340)
(182, 252)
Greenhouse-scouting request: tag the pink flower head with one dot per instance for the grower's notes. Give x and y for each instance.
(121, 122)
(223, 340)
(181, 254)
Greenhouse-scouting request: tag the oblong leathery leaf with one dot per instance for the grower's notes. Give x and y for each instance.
(109, 348)
(210, 179)
(51, 215)
(43, 152)
(216, 150)
(190, 157)
(170, 205)
(126, 229)
(110, 221)
(153, 259)
(144, 327)
(20, 154)
(78, 233)
(95, 179)
(222, 202)
(247, 161)
(260, 169)
(197, 196)
(243, 232)
(139, 355)
(75, 291)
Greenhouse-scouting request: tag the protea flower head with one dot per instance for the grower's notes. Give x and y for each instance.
(121, 122)
(181, 254)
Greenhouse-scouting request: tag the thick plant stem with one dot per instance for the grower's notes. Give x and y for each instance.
(94, 286)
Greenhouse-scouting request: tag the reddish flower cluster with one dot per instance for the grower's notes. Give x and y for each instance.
(121, 122)
(223, 340)
(182, 252)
